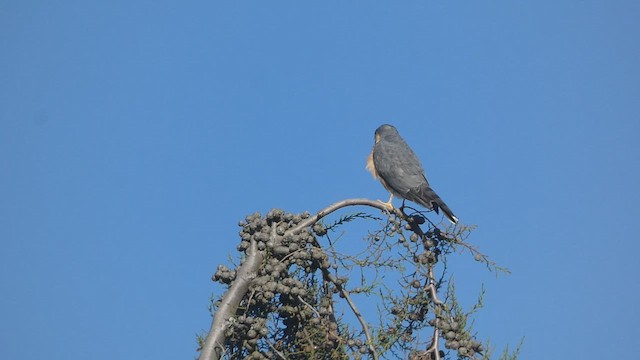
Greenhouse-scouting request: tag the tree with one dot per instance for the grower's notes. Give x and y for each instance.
(292, 297)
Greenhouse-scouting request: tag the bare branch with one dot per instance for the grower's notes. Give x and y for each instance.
(310, 307)
(277, 352)
(432, 288)
(213, 347)
(336, 206)
(329, 276)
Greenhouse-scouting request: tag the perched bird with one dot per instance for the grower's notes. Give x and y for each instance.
(397, 167)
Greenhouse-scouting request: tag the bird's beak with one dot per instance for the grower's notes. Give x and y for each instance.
(377, 138)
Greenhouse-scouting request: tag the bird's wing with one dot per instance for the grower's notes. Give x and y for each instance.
(398, 166)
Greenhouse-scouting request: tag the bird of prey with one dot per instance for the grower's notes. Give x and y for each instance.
(397, 167)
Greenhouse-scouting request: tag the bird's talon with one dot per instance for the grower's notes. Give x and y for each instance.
(387, 205)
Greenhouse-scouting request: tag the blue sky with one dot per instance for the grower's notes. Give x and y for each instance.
(134, 136)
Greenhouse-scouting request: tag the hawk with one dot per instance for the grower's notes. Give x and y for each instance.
(397, 167)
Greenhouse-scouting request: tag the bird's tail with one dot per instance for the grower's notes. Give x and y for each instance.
(447, 212)
(429, 199)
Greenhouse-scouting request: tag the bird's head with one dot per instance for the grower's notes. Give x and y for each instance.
(384, 131)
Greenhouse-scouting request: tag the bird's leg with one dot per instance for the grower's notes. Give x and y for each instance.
(388, 204)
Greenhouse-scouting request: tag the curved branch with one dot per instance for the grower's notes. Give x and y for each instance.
(336, 206)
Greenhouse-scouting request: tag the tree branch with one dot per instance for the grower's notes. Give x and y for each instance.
(435, 347)
(356, 312)
(336, 206)
(213, 347)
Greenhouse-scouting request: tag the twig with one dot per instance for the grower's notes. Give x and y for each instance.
(355, 310)
(310, 307)
(277, 352)
(435, 347)
(432, 288)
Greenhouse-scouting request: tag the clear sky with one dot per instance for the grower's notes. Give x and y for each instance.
(135, 135)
